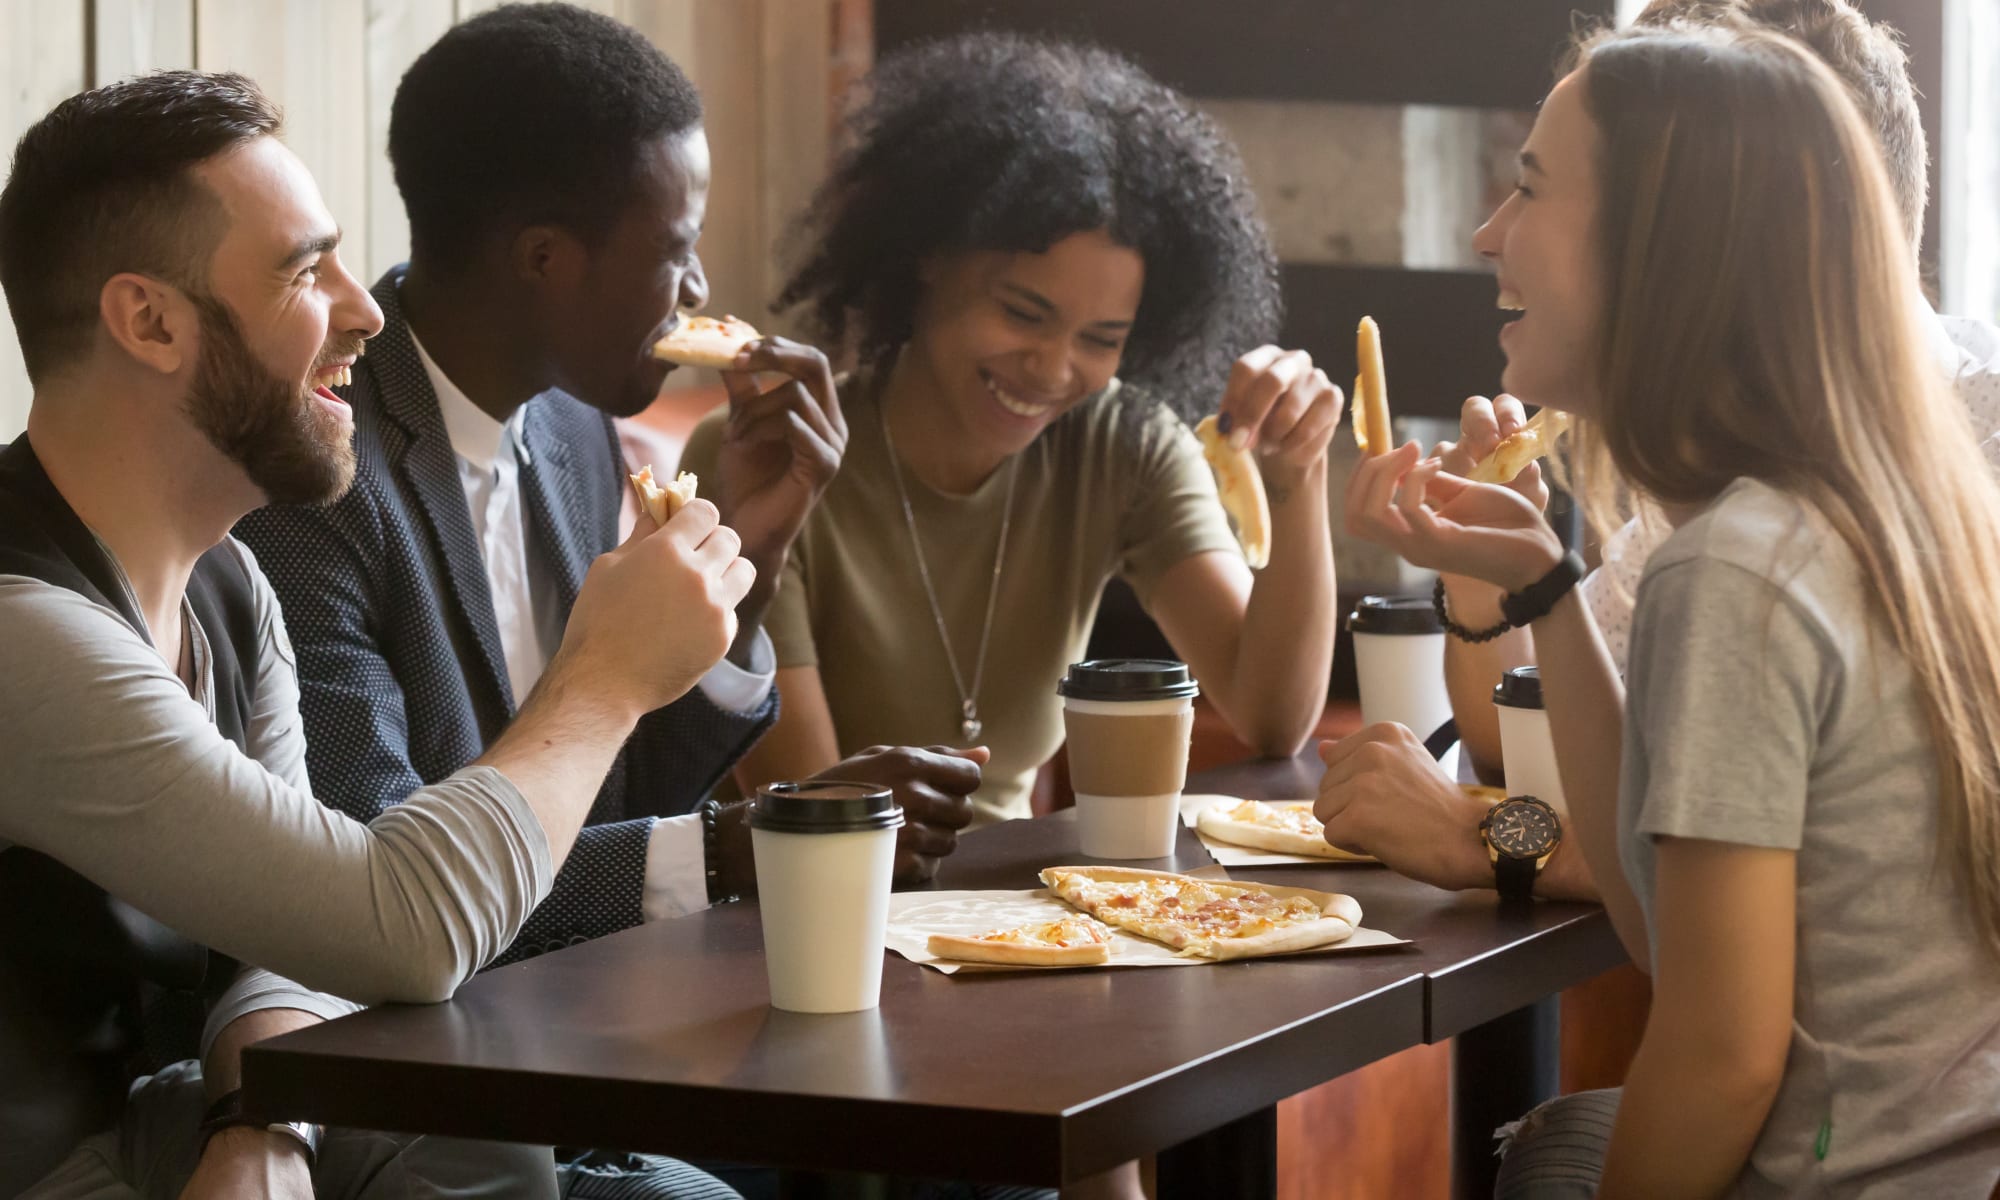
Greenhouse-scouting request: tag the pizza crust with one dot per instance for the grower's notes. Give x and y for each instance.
(706, 342)
(1371, 392)
(1532, 441)
(1340, 915)
(1225, 823)
(1017, 954)
(661, 503)
(1241, 486)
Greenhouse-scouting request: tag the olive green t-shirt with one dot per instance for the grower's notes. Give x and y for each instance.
(1098, 495)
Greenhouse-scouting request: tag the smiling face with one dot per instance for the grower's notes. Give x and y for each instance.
(600, 323)
(1007, 342)
(280, 321)
(1543, 242)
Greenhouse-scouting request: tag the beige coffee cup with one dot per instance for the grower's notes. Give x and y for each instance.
(1128, 722)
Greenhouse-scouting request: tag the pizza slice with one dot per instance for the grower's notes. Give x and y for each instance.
(1205, 918)
(1072, 941)
(1282, 828)
(705, 341)
(1371, 392)
(661, 503)
(1532, 441)
(1241, 486)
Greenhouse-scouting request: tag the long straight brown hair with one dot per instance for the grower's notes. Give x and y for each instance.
(1764, 320)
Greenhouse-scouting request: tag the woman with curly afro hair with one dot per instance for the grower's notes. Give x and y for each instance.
(1044, 263)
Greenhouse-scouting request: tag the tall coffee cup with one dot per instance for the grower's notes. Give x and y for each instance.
(825, 854)
(1529, 753)
(1399, 662)
(1128, 721)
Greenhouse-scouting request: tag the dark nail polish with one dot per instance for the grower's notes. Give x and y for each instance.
(1223, 424)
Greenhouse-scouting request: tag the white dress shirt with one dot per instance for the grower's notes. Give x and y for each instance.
(527, 610)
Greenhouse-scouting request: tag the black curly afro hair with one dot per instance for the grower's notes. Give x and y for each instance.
(1001, 142)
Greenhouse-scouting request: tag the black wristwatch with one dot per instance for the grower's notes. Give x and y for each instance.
(1521, 833)
(1533, 602)
(227, 1113)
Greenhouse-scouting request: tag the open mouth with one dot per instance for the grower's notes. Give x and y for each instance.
(338, 375)
(1510, 301)
(1014, 403)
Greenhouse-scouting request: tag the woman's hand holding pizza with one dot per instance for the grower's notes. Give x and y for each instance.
(1482, 425)
(1286, 409)
(1440, 522)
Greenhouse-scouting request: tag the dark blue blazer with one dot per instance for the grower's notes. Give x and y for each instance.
(400, 668)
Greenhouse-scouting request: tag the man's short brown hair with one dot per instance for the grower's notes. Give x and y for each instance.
(103, 185)
(1868, 57)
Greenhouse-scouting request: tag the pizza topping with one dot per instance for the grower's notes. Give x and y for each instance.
(1194, 906)
(1069, 931)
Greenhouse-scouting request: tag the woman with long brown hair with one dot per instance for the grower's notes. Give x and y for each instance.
(1805, 848)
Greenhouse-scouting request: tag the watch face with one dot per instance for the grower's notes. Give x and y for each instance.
(1521, 829)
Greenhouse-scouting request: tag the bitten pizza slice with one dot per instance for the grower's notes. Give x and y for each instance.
(1072, 941)
(705, 341)
(662, 502)
(1281, 828)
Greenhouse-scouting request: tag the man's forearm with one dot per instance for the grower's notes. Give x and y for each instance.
(558, 750)
(1472, 670)
(222, 1066)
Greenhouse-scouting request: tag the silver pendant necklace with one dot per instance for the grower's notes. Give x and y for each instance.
(968, 701)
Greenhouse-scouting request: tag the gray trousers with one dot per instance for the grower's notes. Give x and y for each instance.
(1557, 1151)
(154, 1149)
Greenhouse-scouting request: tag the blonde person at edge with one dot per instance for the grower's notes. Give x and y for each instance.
(1050, 265)
(1382, 791)
(1794, 812)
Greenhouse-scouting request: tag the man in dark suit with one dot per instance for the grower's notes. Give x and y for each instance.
(555, 171)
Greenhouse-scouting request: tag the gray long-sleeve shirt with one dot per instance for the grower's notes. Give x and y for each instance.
(113, 768)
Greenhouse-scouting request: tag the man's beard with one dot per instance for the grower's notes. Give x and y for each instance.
(286, 441)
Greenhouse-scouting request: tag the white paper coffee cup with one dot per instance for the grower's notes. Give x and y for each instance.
(1527, 751)
(1129, 722)
(826, 855)
(1399, 662)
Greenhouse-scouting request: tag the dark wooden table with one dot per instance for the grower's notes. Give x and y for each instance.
(661, 1037)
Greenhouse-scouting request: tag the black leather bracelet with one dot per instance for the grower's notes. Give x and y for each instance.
(1532, 603)
(711, 852)
(227, 1113)
(1474, 636)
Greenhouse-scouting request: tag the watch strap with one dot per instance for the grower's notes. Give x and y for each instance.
(1514, 878)
(1533, 602)
(228, 1113)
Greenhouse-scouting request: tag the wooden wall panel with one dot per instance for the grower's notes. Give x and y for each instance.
(43, 53)
(133, 36)
(309, 56)
(396, 32)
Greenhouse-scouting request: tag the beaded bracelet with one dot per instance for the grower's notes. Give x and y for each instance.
(1474, 637)
(711, 852)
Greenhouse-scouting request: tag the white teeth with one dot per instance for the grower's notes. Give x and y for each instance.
(347, 375)
(1510, 302)
(1014, 406)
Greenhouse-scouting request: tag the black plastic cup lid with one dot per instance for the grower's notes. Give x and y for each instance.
(1127, 679)
(1394, 615)
(818, 806)
(1519, 688)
